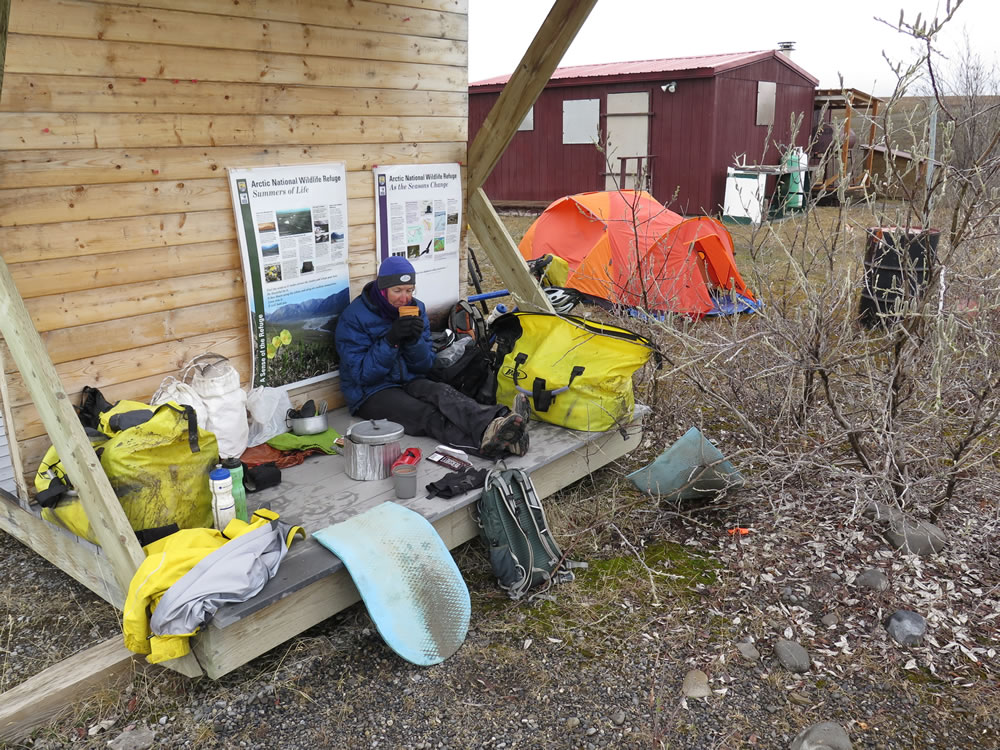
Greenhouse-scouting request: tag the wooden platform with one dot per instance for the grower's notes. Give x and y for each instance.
(312, 584)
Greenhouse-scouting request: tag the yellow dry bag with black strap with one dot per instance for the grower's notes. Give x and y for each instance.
(157, 460)
(576, 373)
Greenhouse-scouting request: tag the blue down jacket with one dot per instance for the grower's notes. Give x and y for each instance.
(369, 363)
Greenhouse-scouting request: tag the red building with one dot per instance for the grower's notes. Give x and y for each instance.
(678, 122)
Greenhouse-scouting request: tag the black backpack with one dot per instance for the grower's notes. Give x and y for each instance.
(468, 373)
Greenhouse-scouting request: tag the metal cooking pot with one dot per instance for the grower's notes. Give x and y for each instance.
(308, 425)
(370, 447)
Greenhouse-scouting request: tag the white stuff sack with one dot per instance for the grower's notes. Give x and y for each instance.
(268, 408)
(216, 381)
(172, 389)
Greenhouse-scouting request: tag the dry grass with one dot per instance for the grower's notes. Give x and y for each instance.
(740, 381)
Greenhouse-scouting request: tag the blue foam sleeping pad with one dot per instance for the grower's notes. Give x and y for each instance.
(407, 578)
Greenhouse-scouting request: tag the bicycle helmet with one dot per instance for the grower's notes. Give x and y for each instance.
(562, 300)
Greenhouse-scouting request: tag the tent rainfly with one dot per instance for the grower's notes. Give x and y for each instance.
(625, 248)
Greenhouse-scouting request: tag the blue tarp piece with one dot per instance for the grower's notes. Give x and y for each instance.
(736, 304)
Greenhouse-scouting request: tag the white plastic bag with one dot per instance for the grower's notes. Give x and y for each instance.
(268, 408)
(216, 381)
(172, 389)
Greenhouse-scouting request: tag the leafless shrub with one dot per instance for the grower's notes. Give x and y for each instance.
(906, 410)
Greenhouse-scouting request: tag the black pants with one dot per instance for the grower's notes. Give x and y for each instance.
(425, 407)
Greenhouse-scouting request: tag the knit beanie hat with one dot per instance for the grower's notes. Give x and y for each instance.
(395, 271)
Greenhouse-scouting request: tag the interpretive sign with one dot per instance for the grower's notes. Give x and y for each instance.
(418, 215)
(292, 228)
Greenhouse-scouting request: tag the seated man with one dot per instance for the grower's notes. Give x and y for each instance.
(384, 343)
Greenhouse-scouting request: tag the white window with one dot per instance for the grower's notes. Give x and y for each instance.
(528, 123)
(765, 102)
(581, 121)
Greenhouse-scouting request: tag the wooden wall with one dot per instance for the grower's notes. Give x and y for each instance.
(537, 165)
(117, 124)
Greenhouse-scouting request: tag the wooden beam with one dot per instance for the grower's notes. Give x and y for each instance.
(107, 519)
(542, 57)
(40, 699)
(74, 556)
(845, 149)
(113, 531)
(503, 254)
(872, 114)
(21, 488)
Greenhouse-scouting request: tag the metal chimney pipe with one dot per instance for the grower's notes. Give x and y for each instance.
(786, 48)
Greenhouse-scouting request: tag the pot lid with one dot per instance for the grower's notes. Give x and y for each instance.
(376, 431)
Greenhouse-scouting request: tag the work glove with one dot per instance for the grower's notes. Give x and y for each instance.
(457, 483)
(399, 331)
(413, 329)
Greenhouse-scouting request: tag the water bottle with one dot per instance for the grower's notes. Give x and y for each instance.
(223, 504)
(235, 467)
(499, 310)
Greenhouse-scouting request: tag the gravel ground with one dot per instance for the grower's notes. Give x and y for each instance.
(600, 665)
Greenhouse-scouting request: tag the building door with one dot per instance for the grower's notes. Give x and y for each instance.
(628, 141)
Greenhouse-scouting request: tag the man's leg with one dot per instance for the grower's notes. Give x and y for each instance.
(418, 417)
(398, 406)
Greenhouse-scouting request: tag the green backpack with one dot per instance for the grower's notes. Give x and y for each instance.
(513, 527)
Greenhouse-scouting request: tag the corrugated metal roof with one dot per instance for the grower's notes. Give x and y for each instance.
(706, 65)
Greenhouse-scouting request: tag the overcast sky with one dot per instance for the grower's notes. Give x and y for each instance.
(836, 37)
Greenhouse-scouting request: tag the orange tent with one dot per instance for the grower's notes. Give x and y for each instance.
(627, 248)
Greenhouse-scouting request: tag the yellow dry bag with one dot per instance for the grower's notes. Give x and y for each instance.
(576, 373)
(157, 460)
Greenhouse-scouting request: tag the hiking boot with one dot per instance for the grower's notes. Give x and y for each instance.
(519, 447)
(501, 433)
(522, 406)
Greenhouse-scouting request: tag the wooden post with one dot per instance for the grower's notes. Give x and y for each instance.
(542, 57)
(846, 147)
(12, 445)
(111, 527)
(873, 113)
(539, 61)
(42, 698)
(107, 518)
(503, 254)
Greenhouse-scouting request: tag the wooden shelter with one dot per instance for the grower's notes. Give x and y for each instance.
(119, 252)
(849, 157)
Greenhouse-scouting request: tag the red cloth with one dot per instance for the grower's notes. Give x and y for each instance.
(265, 454)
